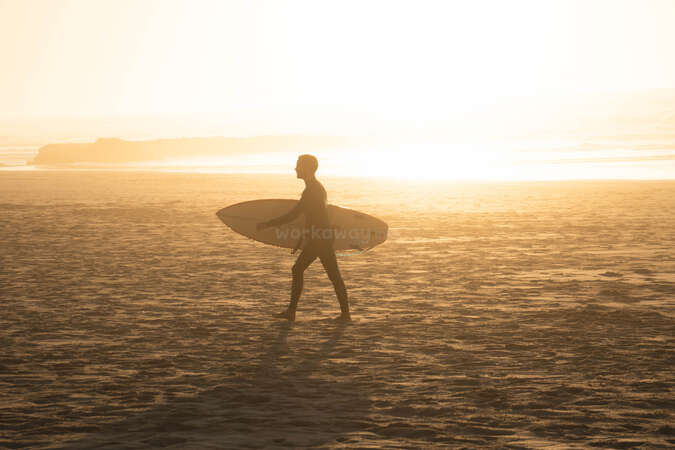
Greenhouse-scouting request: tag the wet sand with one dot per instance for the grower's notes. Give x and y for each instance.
(497, 315)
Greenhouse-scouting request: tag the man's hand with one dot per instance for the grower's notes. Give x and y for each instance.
(262, 226)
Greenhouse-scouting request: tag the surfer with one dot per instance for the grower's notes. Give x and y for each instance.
(318, 237)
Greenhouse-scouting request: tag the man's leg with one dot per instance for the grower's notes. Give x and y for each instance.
(329, 262)
(307, 257)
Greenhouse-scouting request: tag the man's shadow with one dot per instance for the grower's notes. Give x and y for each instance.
(288, 399)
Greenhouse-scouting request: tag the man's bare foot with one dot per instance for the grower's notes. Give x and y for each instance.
(288, 315)
(343, 318)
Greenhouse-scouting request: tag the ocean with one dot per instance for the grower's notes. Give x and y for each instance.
(537, 157)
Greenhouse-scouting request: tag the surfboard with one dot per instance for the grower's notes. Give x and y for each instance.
(353, 231)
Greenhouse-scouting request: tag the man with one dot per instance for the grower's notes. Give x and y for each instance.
(318, 238)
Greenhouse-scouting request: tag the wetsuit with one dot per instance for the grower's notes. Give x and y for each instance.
(318, 238)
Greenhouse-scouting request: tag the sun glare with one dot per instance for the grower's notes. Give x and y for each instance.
(349, 68)
(393, 59)
(422, 162)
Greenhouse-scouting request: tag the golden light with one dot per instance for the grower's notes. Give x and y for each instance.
(349, 67)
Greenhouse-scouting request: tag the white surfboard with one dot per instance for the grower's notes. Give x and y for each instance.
(353, 231)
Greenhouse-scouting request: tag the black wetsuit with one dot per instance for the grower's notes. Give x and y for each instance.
(318, 242)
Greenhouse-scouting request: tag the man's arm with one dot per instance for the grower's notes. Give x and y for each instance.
(288, 217)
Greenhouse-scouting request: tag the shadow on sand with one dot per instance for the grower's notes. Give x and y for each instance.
(281, 401)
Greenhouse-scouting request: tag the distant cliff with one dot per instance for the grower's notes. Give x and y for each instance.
(113, 150)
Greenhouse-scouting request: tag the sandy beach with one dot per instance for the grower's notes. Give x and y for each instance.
(497, 315)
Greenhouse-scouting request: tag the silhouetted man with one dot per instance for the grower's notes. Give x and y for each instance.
(318, 238)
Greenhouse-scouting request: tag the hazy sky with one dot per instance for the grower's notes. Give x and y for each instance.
(98, 57)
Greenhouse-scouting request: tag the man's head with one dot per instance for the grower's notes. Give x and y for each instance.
(306, 166)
